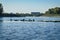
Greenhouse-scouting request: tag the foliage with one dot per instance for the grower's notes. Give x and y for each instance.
(55, 10)
(1, 8)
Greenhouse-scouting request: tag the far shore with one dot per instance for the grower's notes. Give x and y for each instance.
(30, 15)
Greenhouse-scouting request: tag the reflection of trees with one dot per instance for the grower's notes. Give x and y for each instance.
(1, 19)
(1, 22)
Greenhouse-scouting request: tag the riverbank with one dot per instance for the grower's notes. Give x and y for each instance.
(51, 15)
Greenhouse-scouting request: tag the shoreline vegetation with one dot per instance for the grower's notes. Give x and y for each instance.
(29, 15)
(52, 12)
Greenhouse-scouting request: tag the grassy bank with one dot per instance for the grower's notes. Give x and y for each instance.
(52, 15)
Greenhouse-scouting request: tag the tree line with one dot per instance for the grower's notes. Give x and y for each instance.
(51, 11)
(1, 8)
(55, 10)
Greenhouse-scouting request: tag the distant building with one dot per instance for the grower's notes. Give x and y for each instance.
(35, 13)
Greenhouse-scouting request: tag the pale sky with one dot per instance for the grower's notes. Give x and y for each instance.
(27, 6)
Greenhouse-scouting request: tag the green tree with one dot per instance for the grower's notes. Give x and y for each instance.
(55, 10)
(1, 8)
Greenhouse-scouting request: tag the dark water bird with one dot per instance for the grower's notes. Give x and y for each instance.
(10, 19)
(33, 20)
(15, 20)
(22, 20)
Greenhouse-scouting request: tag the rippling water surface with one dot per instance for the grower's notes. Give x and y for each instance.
(22, 30)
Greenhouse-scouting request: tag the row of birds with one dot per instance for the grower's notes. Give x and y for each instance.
(22, 20)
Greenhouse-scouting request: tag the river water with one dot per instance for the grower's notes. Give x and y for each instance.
(26, 30)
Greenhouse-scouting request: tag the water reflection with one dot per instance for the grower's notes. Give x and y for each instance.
(1, 23)
(15, 30)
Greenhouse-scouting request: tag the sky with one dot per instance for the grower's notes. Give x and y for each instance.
(27, 6)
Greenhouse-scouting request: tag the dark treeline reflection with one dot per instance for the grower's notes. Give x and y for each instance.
(1, 23)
